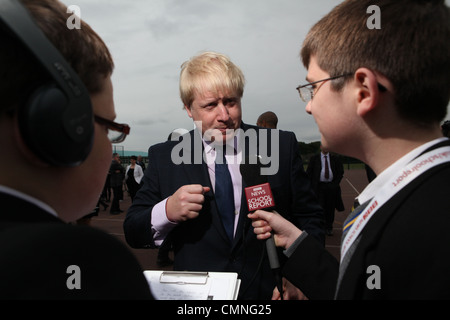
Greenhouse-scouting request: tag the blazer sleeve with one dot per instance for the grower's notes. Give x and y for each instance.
(313, 270)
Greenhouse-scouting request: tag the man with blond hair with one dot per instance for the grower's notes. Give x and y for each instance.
(184, 188)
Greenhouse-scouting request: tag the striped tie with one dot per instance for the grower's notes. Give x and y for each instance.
(347, 225)
(353, 216)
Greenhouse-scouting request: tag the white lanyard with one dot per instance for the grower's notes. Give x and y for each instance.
(414, 169)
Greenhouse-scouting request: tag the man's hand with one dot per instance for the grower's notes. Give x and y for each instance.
(186, 202)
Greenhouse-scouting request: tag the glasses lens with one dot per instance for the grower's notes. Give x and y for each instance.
(116, 136)
(305, 94)
(116, 132)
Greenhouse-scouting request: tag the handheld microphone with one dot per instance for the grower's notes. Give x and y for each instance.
(259, 196)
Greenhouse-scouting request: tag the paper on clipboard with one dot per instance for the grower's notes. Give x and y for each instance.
(174, 285)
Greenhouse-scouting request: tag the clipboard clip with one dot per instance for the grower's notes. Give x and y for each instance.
(183, 277)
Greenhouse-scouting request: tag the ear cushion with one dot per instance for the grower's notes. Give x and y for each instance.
(49, 132)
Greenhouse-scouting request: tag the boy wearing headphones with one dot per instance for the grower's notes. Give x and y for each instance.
(42, 190)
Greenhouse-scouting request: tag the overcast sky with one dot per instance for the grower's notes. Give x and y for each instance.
(150, 39)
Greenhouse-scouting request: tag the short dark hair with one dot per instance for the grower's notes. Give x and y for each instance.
(412, 49)
(83, 49)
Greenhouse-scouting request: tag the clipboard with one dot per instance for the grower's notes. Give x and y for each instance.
(187, 285)
(184, 277)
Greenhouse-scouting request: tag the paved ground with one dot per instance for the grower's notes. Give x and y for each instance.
(354, 181)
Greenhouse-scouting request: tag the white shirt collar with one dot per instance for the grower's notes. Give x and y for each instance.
(371, 190)
(28, 198)
(232, 143)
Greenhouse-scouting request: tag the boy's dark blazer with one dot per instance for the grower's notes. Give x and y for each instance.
(201, 244)
(36, 250)
(407, 239)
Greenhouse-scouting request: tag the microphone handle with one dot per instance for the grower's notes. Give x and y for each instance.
(272, 253)
(274, 263)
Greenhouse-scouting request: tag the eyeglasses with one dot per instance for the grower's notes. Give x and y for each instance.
(117, 132)
(307, 91)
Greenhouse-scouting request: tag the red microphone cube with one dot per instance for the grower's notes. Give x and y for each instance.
(259, 197)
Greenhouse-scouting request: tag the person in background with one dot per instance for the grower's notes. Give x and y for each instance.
(267, 120)
(117, 176)
(140, 162)
(133, 176)
(326, 172)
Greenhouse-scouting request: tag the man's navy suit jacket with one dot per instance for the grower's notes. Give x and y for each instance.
(201, 244)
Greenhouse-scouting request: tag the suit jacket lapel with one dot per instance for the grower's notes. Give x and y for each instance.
(243, 221)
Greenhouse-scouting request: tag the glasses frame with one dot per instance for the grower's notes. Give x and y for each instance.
(123, 128)
(311, 90)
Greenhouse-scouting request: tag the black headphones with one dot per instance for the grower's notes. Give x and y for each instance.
(57, 121)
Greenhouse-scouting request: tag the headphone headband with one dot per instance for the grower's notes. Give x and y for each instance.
(66, 136)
